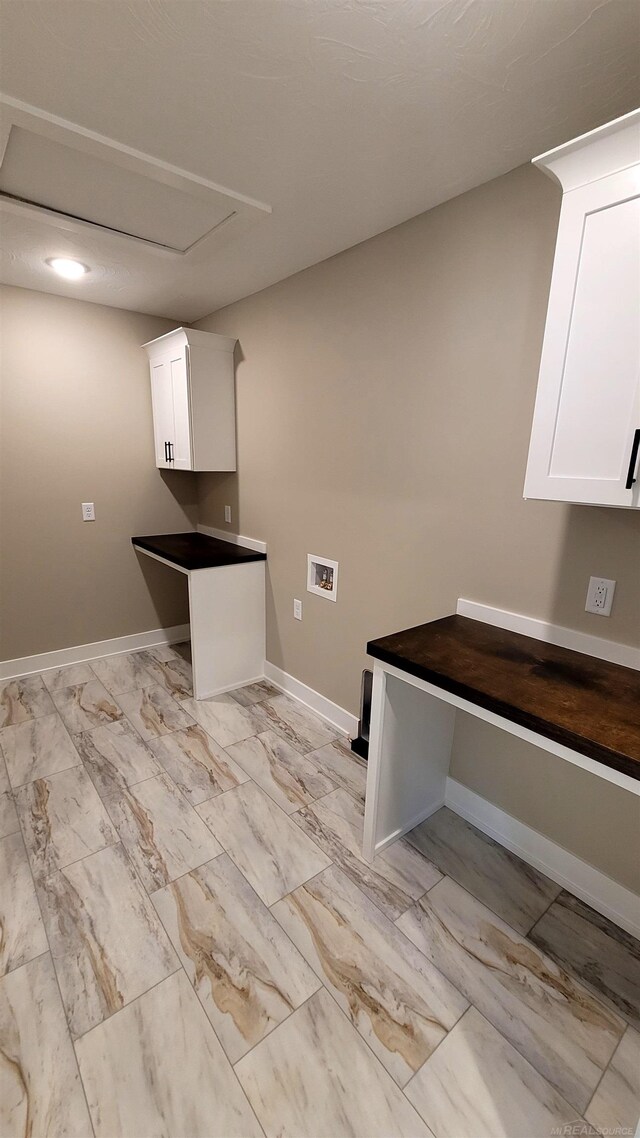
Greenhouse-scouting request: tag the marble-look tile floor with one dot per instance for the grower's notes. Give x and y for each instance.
(192, 946)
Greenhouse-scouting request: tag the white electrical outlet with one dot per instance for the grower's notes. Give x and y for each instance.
(88, 512)
(297, 610)
(227, 513)
(600, 596)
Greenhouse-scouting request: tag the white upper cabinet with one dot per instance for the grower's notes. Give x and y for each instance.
(585, 442)
(193, 398)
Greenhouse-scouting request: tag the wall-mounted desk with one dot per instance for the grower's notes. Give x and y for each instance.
(226, 606)
(580, 708)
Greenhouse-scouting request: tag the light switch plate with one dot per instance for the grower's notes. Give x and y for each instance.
(88, 512)
(600, 596)
(227, 513)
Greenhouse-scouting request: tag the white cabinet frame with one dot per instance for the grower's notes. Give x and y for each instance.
(410, 740)
(228, 624)
(193, 400)
(584, 441)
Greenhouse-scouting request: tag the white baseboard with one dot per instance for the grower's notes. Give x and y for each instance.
(344, 721)
(226, 690)
(420, 817)
(234, 538)
(604, 895)
(27, 665)
(624, 654)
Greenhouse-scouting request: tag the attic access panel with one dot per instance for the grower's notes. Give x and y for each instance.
(45, 172)
(75, 180)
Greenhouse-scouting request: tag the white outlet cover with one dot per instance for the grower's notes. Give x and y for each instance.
(297, 609)
(88, 512)
(227, 513)
(600, 596)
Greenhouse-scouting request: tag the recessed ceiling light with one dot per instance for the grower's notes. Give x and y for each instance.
(65, 267)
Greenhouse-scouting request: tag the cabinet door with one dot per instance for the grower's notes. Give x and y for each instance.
(181, 437)
(162, 403)
(588, 403)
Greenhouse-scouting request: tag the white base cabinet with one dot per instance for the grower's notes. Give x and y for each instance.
(227, 610)
(193, 400)
(585, 441)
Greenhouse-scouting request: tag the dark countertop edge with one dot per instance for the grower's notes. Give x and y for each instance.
(585, 746)
(147, 545)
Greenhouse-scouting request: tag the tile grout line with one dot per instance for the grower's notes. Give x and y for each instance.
(232, 790)
(57, 979)
(39, 777)
(543, 914)
(182, 968)
(282, 731)
(88, 729)
(414, 901)
(567, 966)
(376, 1059)
(446, 1035)
(105, 799)
(26, 963)
(291, 814)
(143, 742)
(267, 726)
(225, 751)
(187, 872)
(148, 892)
(394, 922)
(70, 738)
(325, 987)
(581, 986)
(75, 766)
(163, 772)
(297, 809)
(295, 948)
(302, 884)
(76, 861)
(128, 1004)
(286, 1018)
(613, 1055)
(369, 865)
(31, 716)
(446, 873)
(12, 796)
(119, 841)
(148, 896)
(472, 1007)
(118, 655)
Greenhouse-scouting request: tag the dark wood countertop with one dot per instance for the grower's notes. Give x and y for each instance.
(585, 703)
(196, 550)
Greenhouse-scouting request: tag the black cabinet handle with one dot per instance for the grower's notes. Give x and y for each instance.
(170, 452)
(166, 456)
(635, 447)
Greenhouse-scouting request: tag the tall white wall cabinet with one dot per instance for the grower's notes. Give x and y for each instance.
(193, 397)
(585, 442)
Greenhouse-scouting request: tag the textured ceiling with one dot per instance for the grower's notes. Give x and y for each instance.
(345, 116)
